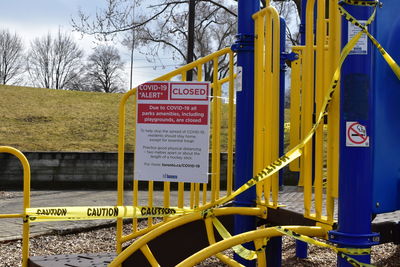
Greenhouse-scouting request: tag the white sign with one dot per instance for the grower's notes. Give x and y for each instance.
(172, 132)
(361, 48)
(356, 134)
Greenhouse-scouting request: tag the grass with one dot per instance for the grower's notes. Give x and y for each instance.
(36, 119)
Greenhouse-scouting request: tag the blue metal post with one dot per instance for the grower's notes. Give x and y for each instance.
(302, 29)
(244, 47)
(302, 247)
(355, 172)
(274, 245)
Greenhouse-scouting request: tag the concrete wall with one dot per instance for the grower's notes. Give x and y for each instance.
(70, 170)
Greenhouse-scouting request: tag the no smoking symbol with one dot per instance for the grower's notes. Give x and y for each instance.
(356, 134)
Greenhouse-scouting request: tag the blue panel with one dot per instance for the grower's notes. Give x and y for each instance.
(386, 143)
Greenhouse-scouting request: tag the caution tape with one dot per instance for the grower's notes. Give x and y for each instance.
(309, 240)
(341, 251)
(240, 250)
(224, 233)
(100, 212)
(391, 62)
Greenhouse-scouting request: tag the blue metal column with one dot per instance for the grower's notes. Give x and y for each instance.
(302, 29)
(356, 124)
(244, 47)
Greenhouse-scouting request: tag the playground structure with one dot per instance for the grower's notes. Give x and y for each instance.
(317, 150)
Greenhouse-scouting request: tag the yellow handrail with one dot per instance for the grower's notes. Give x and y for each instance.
(26, 203)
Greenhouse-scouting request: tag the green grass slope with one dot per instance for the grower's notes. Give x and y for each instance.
(36, 119)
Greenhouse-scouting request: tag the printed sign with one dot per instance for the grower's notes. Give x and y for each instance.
(356, 134)
(361, 48)
(172, 132)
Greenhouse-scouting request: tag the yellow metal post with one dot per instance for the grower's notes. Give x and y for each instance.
(229, 178)
(319, 99)
(333, 119)
(307, 107)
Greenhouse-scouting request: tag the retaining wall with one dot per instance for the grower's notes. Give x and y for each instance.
(59, 170)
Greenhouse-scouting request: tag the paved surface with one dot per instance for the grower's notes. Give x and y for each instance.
(11, 229)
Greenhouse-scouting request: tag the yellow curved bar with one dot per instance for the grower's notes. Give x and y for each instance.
(176, 223)
(247, 237)
(27, 202)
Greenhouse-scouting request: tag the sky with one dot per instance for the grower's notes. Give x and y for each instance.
(35, 18)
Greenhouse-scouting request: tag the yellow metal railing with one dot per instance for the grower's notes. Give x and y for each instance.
(266, 101)
(311, 75)
(198, 194)
(26, 203)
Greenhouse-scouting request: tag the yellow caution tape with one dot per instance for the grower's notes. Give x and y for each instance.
(307, 239)
(354, 262)
(340, 251)
(100, 212)
(391, 62)
(238, 249)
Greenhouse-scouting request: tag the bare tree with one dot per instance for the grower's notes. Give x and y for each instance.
(104, 69)
(54, 62)
(287, 10)
(11, 55)
(161, 28)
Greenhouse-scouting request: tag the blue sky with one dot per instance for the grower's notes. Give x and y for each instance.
(35, 18)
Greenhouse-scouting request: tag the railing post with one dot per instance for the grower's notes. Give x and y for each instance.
(355, 172)
(244, 47)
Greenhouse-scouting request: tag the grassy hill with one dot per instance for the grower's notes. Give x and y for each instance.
(35, 119)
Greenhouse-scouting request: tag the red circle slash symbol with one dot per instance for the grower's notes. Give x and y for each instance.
(357, 133)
